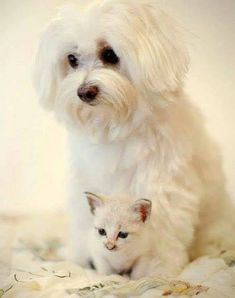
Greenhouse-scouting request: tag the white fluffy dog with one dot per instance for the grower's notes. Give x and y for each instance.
(112, 71)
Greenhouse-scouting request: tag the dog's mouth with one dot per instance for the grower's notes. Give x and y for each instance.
(93, 103)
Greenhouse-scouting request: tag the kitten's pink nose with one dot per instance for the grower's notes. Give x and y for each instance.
(110, 245)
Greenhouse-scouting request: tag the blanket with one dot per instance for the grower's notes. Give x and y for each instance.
(32, 265)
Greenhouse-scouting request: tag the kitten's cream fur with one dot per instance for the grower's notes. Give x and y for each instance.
(142, 253)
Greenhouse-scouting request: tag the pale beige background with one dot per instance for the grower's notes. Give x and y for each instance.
(33, 152)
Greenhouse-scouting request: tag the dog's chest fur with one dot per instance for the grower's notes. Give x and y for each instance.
(118, 167)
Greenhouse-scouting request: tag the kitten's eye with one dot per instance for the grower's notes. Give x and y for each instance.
(102, 232)
(122, 235)
(109, 56)
(73, 60)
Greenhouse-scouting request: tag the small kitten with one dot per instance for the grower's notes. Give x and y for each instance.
(121, 233)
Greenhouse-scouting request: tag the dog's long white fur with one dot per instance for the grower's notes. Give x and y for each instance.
(143, 138)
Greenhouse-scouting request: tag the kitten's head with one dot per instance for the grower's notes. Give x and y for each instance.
(118, 221)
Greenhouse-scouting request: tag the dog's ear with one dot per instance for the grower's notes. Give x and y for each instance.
(142, 209)
(163, 54)
(155, 43)
(48, 69)
(94, 201)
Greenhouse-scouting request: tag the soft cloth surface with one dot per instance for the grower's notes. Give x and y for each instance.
(32, 266)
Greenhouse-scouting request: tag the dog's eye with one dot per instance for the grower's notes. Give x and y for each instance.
(102, 232)
(73, 60)
(122, 235)
(109, 56)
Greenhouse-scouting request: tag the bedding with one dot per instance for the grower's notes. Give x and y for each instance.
(32, 264)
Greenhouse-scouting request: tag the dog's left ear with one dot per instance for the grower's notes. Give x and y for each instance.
(48, 69)
(142, 208)
(161, 52)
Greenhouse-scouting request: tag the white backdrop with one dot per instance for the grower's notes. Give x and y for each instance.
(33, 152)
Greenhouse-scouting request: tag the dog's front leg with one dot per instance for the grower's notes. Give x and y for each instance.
(175, 216)
(80, 221)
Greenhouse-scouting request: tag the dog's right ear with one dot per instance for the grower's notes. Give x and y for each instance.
(48, 67)
(94, 201)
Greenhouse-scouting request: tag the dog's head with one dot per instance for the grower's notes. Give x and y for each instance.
(102, 64)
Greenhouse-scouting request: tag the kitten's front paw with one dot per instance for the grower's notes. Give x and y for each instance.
(118, 278)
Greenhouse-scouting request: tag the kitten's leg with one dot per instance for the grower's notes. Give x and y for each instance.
(170, 262)
(102, 266)
(165, 264)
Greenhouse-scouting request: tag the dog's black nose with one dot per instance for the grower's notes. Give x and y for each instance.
(88, 93)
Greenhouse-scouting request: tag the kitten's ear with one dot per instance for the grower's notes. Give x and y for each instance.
(142, 208)
(94, 201)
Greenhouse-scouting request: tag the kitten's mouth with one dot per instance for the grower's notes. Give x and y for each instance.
(111, 248)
